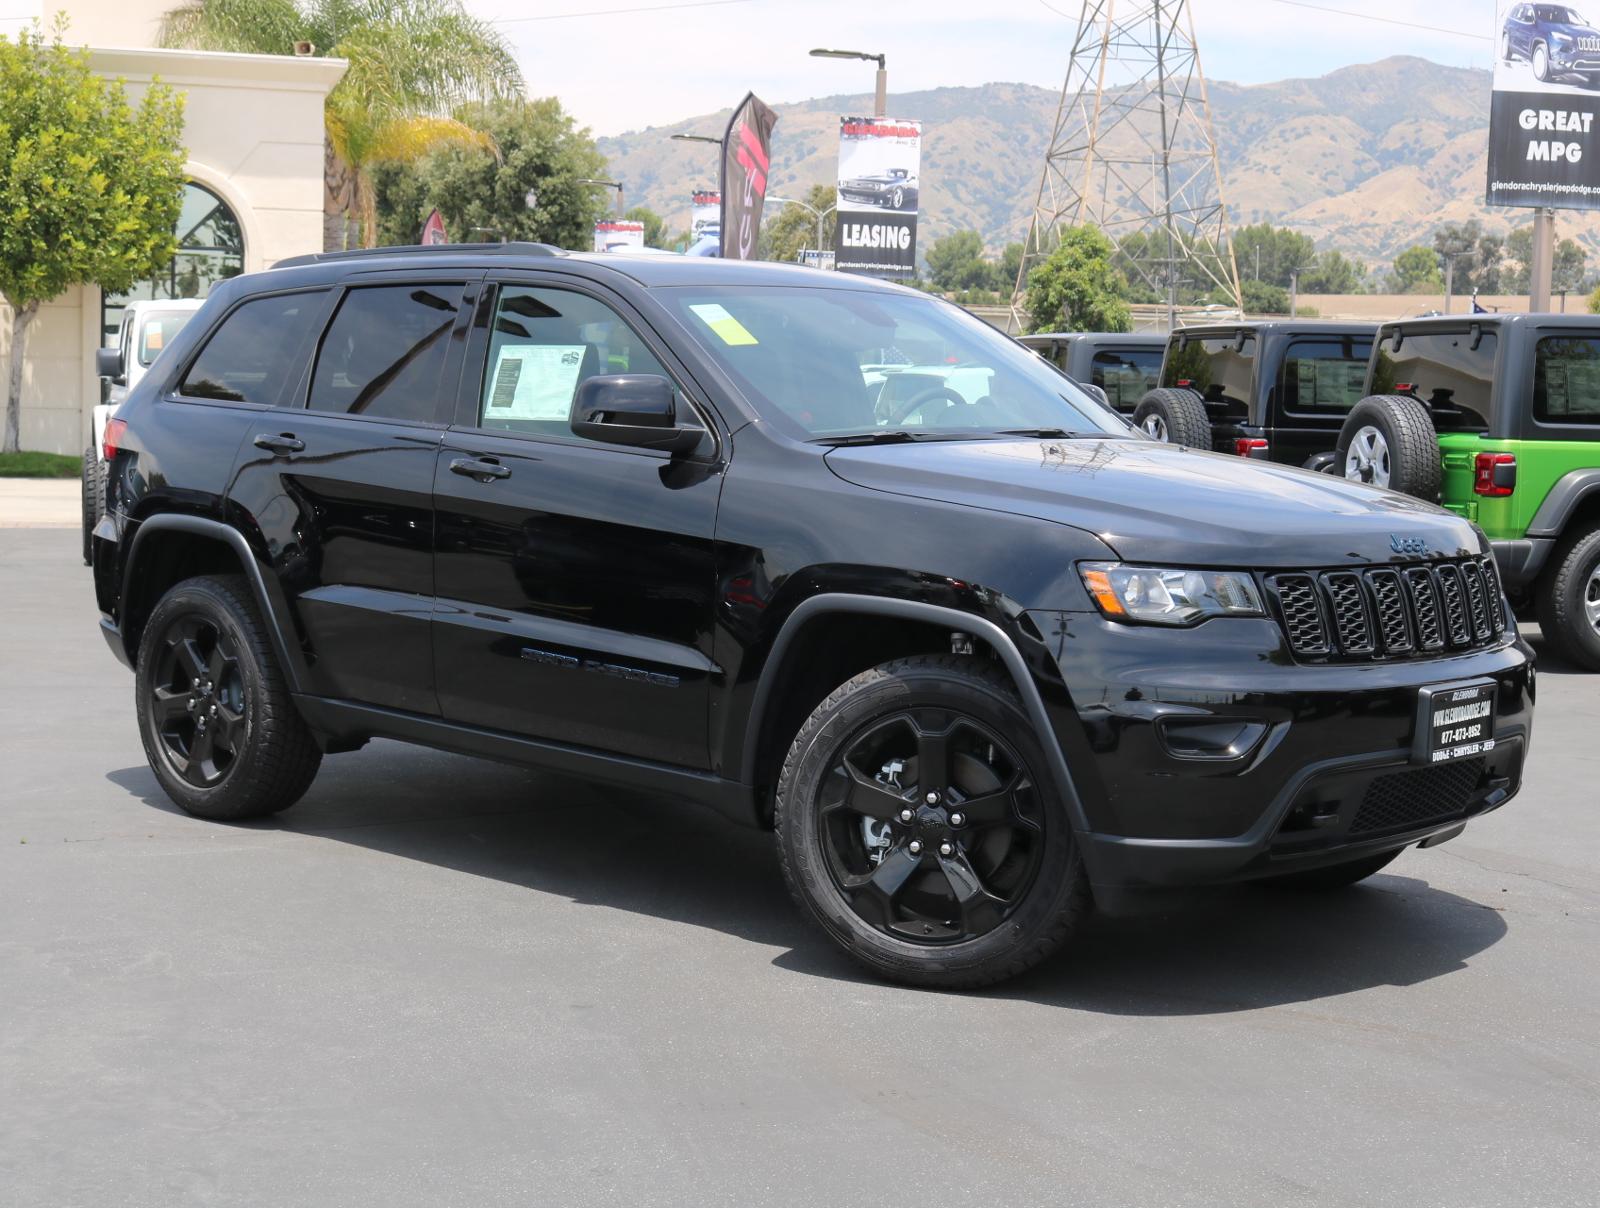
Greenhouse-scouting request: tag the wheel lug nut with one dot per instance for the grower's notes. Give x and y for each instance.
(914, 847)
(906, 815)
(946, 849)
(933, 798)
(957, 819)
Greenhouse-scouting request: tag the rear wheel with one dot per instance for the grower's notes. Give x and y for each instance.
(1388, 440)
(1335, 876)
(916, 828)
(1569, 601)
(1175, 416)
(219, 729)
(94, 498)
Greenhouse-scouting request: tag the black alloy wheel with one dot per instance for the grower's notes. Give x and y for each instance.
(931, 826)
(197, 701)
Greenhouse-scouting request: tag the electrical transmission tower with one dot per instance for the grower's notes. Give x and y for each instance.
(1132, 153)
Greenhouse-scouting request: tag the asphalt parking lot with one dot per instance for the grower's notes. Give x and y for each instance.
(438, 981)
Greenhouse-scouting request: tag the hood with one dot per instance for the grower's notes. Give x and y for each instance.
(1576, 31)
(1159, 503)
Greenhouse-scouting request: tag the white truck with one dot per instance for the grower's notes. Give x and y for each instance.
(147, 329)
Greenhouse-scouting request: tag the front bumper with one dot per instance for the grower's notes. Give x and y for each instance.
(1209, 755)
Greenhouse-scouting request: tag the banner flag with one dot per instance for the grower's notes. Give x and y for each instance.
(433, 232)
(746, 157)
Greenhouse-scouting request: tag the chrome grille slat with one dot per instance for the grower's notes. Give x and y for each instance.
(1390, 611)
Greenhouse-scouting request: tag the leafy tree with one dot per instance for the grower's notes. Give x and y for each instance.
(1334, 273)
(790, 230)
(1416, 271)
(1594, 302)
(1566, 267)
(90, 187)
(1261, 298)
(1267, 253)
(412, 64)
(955, 262)
(1078, 288)
(655, 226)
(1010, 266)
(541, 150)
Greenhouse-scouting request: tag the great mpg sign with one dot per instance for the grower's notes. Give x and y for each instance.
(1543, 148)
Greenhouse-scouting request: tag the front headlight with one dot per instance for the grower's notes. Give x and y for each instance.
(1561, 39)
(1159, 596)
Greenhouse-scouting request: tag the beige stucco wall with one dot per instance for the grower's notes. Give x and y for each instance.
(253, 131)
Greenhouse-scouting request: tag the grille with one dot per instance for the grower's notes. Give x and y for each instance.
(1390, 613)
(1403, 800)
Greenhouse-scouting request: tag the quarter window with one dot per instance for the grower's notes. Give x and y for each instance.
(1325, 375)
(1452, 372)
(1221, 368)
(545, 343)
(1125, 375)
(1566, 381)
(251, 356)
(384, 352)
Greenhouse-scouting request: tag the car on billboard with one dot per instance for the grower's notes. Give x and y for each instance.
(895, 189)
(1554, 39)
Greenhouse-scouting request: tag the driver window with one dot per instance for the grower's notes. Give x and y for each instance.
(543, 345)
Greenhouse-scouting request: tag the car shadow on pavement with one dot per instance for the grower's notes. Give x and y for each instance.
(1227, 950)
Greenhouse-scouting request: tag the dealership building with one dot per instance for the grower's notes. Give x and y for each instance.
(254, 151)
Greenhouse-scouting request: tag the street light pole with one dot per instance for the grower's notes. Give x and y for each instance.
(607, 184)
(819, 215)
(880, 104)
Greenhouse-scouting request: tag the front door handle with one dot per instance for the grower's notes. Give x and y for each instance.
(482, 468)
(282, 442)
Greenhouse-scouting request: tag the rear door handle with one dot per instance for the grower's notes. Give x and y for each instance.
(481, 468)
(283, 442)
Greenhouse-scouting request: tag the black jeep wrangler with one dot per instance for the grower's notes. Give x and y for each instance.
(1122, 366)
(981, 662)
(1275, 390)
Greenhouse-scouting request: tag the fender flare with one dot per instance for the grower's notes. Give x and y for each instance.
(1570, 490)
(912, 610)
(272, 605)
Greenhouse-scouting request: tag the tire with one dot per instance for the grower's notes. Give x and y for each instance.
(1569, 601)
(1505, 47)
(902, 915)
(1335, 876)
(1541, 63)
(94, 499)
(897, 199)
(260, 757)
(1400, 431)
(1175, 416)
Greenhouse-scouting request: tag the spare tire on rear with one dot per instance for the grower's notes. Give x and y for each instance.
(1175, 416)
(1388, 440)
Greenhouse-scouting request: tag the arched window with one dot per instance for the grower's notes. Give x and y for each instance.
(210, 249)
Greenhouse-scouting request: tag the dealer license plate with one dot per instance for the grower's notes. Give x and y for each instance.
(1454, 721)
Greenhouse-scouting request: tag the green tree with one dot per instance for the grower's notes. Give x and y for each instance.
(655, 226)
(1416, 271)
(789, 229)
(1267, 253)
(90, 187)
(1078, 288)
(956, 262)
(1566, 267)
(1334, 273)
(413, 63)
(1260, 298)
(542, 150)
(1006, 271)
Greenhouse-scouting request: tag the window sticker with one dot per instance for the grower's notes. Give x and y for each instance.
(534, 382)
(728, 329)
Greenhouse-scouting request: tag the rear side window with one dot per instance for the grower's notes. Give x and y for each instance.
(384, 353)
(1566, 381)
(1125, 374)
(1221, 368)
(1450, 371)
(250, 357)
(1325, 376)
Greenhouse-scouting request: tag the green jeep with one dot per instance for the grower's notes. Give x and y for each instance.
(1497, 417)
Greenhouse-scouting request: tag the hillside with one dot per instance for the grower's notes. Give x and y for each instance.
(1368, 159)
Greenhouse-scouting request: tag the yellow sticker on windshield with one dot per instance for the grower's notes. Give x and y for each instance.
(729, 330)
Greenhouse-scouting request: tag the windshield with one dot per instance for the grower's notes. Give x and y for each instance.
(1560, 16)
(159, 328)
(840, 363)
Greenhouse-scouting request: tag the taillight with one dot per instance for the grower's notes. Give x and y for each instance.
(1494, 474)
(108, 443)
(1250, 446)
(1185, 383)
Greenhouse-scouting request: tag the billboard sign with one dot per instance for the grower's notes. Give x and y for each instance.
(1544, 143)
(618, 235)
(746, 158)
(879, 164)
(705, 210)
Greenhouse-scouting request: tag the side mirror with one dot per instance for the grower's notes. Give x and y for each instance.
(635, 409)
(108, 364)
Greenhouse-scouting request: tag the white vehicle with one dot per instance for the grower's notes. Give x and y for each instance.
(147, 328)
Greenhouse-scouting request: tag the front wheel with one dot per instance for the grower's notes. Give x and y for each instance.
(219, 728)
(916, 825)
(1569, 602)
(1541, 63)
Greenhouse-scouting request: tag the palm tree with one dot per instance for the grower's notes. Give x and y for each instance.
(413, 63)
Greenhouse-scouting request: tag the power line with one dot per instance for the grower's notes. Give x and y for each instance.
(1341, 12)
(618, 12)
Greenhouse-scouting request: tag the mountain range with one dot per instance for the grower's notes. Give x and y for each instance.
(1368, 159)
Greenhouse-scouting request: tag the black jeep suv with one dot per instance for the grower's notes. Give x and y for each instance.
(979, 651)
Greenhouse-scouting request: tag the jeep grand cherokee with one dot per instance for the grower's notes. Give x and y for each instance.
(982, 659)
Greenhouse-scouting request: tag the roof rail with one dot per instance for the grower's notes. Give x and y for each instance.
(420, 249)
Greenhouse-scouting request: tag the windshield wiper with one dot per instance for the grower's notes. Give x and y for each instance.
(1048, 433)
(895, 436)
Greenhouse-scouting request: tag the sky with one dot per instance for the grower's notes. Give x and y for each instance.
(620, 65)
